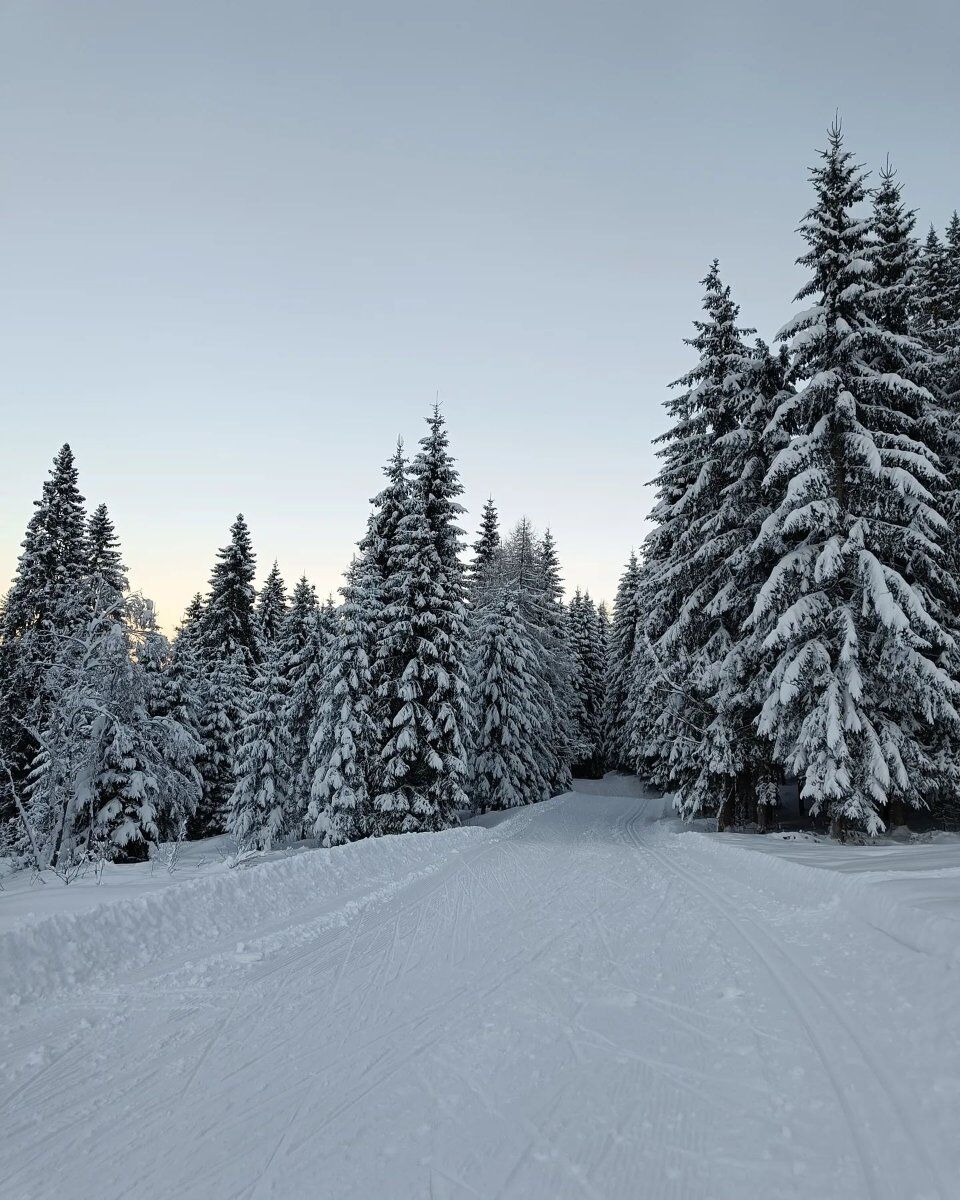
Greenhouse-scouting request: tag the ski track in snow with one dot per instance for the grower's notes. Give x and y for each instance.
(577, 1002)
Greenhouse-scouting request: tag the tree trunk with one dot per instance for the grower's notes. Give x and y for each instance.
(726, 812)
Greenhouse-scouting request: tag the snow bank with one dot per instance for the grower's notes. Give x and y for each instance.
(911, 893)
(123, 933)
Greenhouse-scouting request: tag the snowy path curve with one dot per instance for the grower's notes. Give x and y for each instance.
(576, 1003)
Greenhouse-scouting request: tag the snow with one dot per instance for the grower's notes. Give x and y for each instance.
(578, 999)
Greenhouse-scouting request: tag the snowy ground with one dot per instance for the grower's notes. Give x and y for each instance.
(577, 1001)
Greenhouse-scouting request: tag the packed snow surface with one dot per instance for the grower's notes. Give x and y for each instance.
(577, 1000)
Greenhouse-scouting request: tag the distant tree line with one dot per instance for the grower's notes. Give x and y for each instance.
(431, 690)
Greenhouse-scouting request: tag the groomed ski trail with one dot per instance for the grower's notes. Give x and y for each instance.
(578, 1002)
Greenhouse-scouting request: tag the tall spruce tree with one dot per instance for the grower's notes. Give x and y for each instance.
(302, 650)
(738, 679)
(559, 698)
(588, 684)
(259, 811)
(422, 670)
(230, 654)
(42, 608)
(345, 743)
(486, 551)
(271, 609)
(511, 718)
(377, 547)
(687, 631)
(171, 702)
(856, 487)
(620, 664)
(129, 768)
(527, 572)
(105, 567)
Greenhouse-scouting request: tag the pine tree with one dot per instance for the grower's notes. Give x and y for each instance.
(302, 651)
(230, 653)
(54, 556)
(738, 679)
(603, 630)
(111, 775)
(377, 548)
(486, 550)
(688, 632)
(421, 667)
(271, 609)
(588, 685)
(527, 572)
(389, 509)
(559, 698)
(511, 718)
(42, 607)
(327, 620)
(104, 563)
(188, 640)
(229, 628)
(259, 811)
(127, 764)
(856, 501)
(620, 661)
(933, 313)
(171, 699)
(345, 742)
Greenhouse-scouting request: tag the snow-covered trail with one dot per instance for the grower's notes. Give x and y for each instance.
(574, 1003)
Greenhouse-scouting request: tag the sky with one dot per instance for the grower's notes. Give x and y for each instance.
(245, 245)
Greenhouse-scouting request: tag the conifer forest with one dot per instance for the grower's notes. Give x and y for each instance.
(800, 555)
(465, 882)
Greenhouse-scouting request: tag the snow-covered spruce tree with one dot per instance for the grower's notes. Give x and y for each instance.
(108, 770)
(935, 313)
(952, 332)
(421, 666)
(588, 684)
(378, 544)
(104, 562)
(229, 623)
(302, 649)
(345, 742)
(511, 719)
(230, 653)
(259, 810)
(857, 680)
(686, 637)
(892, 303)
(327, 619)
(486, 553)
(171, 702)
(739, 678)
(39, 610)
(622, 640)
(142, 780)
(936, 322)
(947, 802)
(185, 673)
(271, 609)
(126, 758)
(528, 570)
(559, 698)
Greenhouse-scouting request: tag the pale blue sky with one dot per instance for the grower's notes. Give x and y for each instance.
(245, 244)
